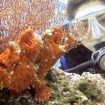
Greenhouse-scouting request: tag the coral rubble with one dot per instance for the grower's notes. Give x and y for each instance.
(78, 91)
(26, 62)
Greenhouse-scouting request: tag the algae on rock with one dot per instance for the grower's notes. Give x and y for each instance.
(64, 92)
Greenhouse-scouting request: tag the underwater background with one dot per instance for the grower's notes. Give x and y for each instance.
(35, 36)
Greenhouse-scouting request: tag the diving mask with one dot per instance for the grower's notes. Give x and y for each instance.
(89, 17)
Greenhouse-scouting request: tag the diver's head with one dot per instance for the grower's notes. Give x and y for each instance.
(89, 15)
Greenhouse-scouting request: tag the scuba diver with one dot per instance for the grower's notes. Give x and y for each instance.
(90, 55)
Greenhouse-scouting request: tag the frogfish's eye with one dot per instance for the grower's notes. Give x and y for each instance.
(28, 42)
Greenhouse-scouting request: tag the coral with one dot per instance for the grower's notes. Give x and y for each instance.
(18, 15)
(90, 90)
(68, 92)
(26, 62)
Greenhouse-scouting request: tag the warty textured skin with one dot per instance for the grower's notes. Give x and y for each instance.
(26, 62)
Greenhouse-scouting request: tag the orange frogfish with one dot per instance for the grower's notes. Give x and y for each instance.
(28, 59)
